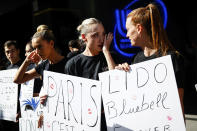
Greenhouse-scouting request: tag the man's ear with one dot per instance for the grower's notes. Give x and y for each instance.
(83, 36)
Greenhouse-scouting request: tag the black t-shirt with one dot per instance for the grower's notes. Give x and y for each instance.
(72, 54)
(86, 66)
(45, 65)
(177, 61)
(15, 66)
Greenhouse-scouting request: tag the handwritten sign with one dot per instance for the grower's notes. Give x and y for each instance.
(144, 99)
(29, 124)
(8, 95)
(27, 89)
(31, 107)
(73, 103)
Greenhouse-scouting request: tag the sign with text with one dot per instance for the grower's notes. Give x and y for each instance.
(27, 89)
(73, 103)
(31, 109)
(144, 99)
(29, 124)
(8, 95)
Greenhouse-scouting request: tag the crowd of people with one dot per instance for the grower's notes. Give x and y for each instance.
(90, 54)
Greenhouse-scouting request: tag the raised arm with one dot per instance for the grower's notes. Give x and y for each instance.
(107, 42)
(22, 75)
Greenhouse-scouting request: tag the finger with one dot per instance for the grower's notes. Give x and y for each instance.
(117, 67)
(31, 54)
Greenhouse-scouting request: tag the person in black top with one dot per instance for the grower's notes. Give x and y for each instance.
(43, 42)
(145, 29)
(95, 58)
(12, 53)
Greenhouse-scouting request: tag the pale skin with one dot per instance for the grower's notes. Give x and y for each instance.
(138, 37)
(96, 41)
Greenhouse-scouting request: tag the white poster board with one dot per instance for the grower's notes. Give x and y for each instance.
(27, 89)
(144, 99)
(8, 95)
(31, 109)
(29, 124)
(73, 103)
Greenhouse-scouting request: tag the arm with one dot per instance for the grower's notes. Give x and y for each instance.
(23, 76)
(106, 46)
(181, 95)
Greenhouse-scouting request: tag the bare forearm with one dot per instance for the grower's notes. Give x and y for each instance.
(19, 77)
(110, 62)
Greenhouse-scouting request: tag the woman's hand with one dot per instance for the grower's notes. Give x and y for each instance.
(107, 41)
(124, 66)
(33, 57)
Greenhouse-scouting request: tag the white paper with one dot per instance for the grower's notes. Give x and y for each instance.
(147, 101)
(8, 95)
(73, 103)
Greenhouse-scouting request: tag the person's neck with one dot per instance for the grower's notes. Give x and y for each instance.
(55, 57)
(14, 62)
(88, 52)
(149, 51)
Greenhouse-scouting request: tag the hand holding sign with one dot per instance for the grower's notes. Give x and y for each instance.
(124, 66)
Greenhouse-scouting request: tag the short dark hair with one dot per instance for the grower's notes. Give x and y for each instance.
(10, 43)
(74, 44)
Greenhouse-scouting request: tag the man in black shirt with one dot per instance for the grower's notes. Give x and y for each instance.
(12, 53)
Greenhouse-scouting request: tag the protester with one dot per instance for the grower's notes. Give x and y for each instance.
(145, 29)
(43, 41)
(96, 57)
(12, 53)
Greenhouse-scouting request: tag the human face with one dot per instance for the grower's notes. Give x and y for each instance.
(42, 47)
(132, 32)
(12, 54)
(95, 38)
(28, 50)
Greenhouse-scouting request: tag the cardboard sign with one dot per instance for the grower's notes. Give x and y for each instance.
(8, 95)
(73, 103)
(144, 99)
